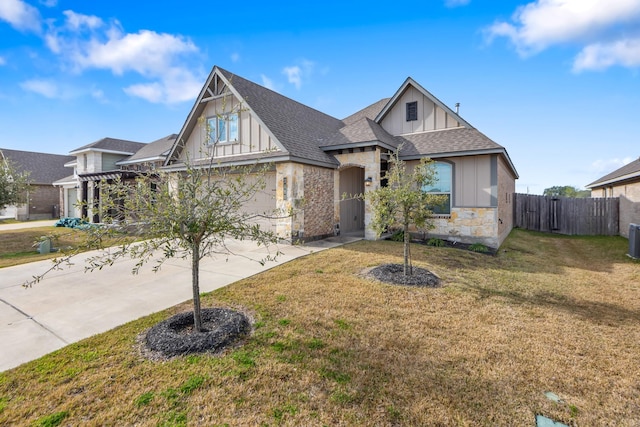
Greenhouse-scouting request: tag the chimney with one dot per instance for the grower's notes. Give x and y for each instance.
(458, 108)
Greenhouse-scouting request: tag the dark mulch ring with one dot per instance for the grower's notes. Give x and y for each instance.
(175, 336)
(394, 274)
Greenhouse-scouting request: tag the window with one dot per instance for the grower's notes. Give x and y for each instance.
(441, 186)
(223, 128)
(412, 111)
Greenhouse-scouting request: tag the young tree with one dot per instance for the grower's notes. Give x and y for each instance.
(403, 202)
(14, 185)
(188, 214)
(191, 214)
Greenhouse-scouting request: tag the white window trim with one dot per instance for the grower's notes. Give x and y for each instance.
(448, 193)
(224, 118)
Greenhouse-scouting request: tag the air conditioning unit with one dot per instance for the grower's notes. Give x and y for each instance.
(634, 241)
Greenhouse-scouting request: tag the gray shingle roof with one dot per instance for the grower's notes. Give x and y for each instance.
(156, 149)
(300, 129)
(369, 112)
(308, 134)
(361, 131)
(112, 144)
(446, 141)
(43, 168)
(627, 171)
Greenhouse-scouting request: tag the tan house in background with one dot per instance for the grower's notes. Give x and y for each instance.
(317, 158)
(625, 184)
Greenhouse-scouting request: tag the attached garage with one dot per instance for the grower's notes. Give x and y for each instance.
(263, 203)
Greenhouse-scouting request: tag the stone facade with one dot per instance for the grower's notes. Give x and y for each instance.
(468, 225)
(318, 202)
(304, 196)
(370, 161)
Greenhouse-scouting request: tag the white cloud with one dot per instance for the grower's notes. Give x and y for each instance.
(599, 56)
(78, 21)
(20, 15)
(297, 73)
(45, 88)
(235, 57)
(605, 166)
(98, 94)
(152, 55)
(175, 85)
(293, 75)
(151, 92)
(594, 25)
(3, 61)
(456, 3)
(85, 42)
(267, 82)
(49, 3)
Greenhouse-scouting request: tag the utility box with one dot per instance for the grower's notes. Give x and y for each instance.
(44, 247)
(634, 241)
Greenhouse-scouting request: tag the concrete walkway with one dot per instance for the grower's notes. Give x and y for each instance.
(70, 305)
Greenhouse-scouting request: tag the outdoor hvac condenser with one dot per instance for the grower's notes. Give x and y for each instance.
(634, 241)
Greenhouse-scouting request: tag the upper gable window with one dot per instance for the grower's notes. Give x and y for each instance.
(412, 111)
(223, 128)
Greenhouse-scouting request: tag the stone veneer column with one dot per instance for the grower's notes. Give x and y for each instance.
(290, 198)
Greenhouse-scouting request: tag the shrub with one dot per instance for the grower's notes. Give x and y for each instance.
(398, 236)
(435, 242)
(479, 247)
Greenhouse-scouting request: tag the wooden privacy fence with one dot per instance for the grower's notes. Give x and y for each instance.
(585, 216)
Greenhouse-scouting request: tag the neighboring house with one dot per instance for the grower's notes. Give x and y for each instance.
(318, 158)
(625, 184)
(43, 197)
(106, 159)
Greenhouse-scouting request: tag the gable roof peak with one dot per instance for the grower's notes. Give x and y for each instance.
(409, 81)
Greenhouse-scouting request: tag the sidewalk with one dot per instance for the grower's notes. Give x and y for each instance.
(70, 305)
(28, 224)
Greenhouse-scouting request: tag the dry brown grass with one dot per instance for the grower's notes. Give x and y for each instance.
(549, 313)
(18, 245)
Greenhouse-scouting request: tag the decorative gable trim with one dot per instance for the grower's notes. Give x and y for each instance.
(410, 82)
(217, 86)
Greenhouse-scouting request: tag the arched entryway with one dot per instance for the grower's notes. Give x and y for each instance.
(351, 207)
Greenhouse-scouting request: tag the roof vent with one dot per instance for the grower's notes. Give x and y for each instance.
(457, 108)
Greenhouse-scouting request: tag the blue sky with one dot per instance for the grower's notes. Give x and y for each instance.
(554, 81)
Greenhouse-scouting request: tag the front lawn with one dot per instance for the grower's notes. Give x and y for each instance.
(547, 314)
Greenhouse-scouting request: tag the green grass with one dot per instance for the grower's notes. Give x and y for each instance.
(546, 314)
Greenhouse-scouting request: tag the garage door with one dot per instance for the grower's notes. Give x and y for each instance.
(264, 203)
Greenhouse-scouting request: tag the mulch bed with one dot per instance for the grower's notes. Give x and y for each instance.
(394, 274)
(175, 336)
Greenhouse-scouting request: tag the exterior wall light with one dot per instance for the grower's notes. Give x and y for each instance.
(368, 181)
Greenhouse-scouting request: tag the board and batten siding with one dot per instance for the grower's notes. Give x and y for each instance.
(474, 180)
(430, 116)
(252, 137)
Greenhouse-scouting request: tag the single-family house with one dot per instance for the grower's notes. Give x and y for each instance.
(623, 183)
(317, 158)
(43, 200)
(106, 159)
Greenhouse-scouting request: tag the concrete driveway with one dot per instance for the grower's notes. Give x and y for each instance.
(70, 305)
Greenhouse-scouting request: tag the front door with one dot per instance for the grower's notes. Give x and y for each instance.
(351, 206)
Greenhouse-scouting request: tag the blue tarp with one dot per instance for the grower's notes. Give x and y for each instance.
(73, 223)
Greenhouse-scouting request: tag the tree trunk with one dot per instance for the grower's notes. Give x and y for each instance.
(407, 242)
(195, 285)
